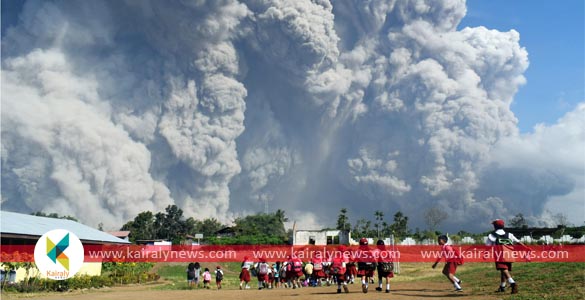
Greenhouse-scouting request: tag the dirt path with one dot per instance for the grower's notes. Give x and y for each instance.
(400, 291)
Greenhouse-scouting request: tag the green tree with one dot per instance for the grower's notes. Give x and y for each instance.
(142, 227)
(172, 224)
(386, 231)
(169, 225)
(362, 228)
(54, 216)
(208, 227)
(417, 235)
(343, 220)
(261, 224)
(280, 216)
(400, 226)
(159, 223)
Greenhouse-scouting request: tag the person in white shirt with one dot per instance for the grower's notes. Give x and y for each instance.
(504, 241)
(245, 273)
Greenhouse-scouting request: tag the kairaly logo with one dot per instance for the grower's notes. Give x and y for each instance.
(59, 254)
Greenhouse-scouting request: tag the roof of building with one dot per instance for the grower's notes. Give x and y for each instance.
(226, 230)
(32, 227)
(120, 234)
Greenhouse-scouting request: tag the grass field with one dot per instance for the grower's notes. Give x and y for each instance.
(564, 281)
(561, 281)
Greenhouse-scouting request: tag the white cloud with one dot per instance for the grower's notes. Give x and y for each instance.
(552, 159)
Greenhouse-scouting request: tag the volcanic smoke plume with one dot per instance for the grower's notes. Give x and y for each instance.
(110, 108)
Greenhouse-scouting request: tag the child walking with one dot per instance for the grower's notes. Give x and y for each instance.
(245, 273)
(191, 275)
(276, 271)
(366, 264)
(385, 266)
(452, 258)
(503, 241)
(262, 273)
(197, 273)
(206, 278)
(337, 268)
(218, 277)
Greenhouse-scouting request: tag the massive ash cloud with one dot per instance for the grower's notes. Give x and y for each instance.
(110, 108)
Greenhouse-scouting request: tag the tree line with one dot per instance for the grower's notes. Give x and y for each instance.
(380, 228)
(172, 225)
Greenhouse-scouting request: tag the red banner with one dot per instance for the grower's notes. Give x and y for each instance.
(273, 253)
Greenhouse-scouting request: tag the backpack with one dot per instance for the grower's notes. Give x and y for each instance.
(298, 266)
(386, 267)
(219, 275)
(504, 247)
(318, 267)
(336, 268)
(368, 266)
(262, 269)
(503, 239)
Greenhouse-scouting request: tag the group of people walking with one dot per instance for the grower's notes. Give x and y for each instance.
(194, 275)
(338, 269)
(361, 265)
(500, 239)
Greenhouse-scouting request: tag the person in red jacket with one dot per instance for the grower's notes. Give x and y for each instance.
(453, 259)
(294, 271)
(351, 270)
(338, 269)
(318, 270)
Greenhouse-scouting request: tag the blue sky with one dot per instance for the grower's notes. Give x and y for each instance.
(553, 34)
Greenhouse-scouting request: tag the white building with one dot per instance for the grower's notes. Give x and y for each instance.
(321, 237)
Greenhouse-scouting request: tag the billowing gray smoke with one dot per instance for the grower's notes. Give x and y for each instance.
(110, 108)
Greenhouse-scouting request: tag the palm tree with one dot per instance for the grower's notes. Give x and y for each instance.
(342, 220)
(379, 218)
(279, 214)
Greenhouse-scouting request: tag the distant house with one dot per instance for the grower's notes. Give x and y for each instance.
(22, 229)
(123, 235)
(225, 232)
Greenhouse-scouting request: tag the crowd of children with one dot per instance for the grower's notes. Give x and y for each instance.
(343, 270)
(293, 273)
